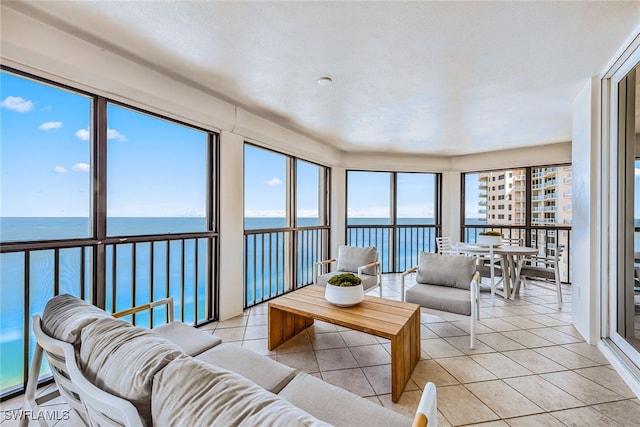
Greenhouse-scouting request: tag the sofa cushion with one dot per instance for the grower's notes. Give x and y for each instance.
(443, 298)
(446, 270)
(191, 340)
(261, 370)
(190, 392)
(338, 406)
(122, 360)
(352, 257)
(65, 316)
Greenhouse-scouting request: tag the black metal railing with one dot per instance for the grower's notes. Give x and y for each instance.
(134, 270)
(398, 246)
(280, 260)
(546, 238)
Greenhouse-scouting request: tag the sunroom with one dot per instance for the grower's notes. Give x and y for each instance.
(214, 152)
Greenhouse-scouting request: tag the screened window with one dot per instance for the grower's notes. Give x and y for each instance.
(310, 192)
(368, 198)
(156, 175)
(265, 184)
(45, 166)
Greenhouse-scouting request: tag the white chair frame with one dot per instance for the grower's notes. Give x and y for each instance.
(62, 361)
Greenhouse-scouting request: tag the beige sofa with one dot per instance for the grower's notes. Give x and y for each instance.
(177, 375)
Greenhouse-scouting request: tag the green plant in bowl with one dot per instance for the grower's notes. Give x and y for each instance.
(490, 233)
(345, 280)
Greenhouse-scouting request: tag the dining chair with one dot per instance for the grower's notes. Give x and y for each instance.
(512, 241)
(444, 245)
(544, 272)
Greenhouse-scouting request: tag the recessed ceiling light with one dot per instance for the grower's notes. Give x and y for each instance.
(325, 81)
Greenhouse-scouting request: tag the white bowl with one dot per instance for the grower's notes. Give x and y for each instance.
(344, 296)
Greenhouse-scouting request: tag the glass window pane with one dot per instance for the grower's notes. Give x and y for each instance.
(416, 198)
(309, 178)
(368, 198)
(156, 175)
(45, 172)
(265, 188)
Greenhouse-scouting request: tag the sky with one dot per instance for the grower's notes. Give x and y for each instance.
(155, 167)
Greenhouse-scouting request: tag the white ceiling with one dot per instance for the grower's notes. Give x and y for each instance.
(443, 78)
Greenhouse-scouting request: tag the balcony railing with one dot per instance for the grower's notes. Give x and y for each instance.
(131, 271)
(399, 246)
(280, 260)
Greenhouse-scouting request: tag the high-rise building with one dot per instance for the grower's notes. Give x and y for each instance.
(503, 199)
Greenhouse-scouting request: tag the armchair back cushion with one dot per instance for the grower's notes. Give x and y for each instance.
(122, 359)
(352, 257)
(455, 271)
(64, 317)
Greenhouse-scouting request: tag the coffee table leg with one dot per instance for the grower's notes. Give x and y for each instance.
(405, 353)
(284, 325)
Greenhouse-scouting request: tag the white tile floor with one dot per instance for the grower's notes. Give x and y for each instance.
(530, 366)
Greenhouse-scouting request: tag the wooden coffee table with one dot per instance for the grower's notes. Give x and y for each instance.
(397, 321)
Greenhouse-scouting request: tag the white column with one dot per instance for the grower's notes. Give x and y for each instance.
(231, 224)
(586, 175)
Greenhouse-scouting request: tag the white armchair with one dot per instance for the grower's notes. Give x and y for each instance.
(363, 261)
(446, 283)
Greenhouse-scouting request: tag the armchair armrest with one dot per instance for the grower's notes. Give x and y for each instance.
(318, 265)
(370, 265)
(427, 412)
(165, 301)
(402, 277)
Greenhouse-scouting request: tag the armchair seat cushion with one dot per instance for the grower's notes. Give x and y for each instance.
(368, 281)
(446, 270)
(443, 298)
(533, 271)
(191, 340)
(485, 270)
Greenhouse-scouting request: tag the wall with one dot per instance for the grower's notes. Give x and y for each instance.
(586, 177)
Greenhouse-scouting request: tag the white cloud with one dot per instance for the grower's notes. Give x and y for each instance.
(59, 169)
(83, 134)
(81, 167)
(257, 213)
(17, 103)
(273, 181)
(50, 125)
(114, 134)
(637, 172)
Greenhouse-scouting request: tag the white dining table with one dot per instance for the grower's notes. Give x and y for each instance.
(511, 256)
